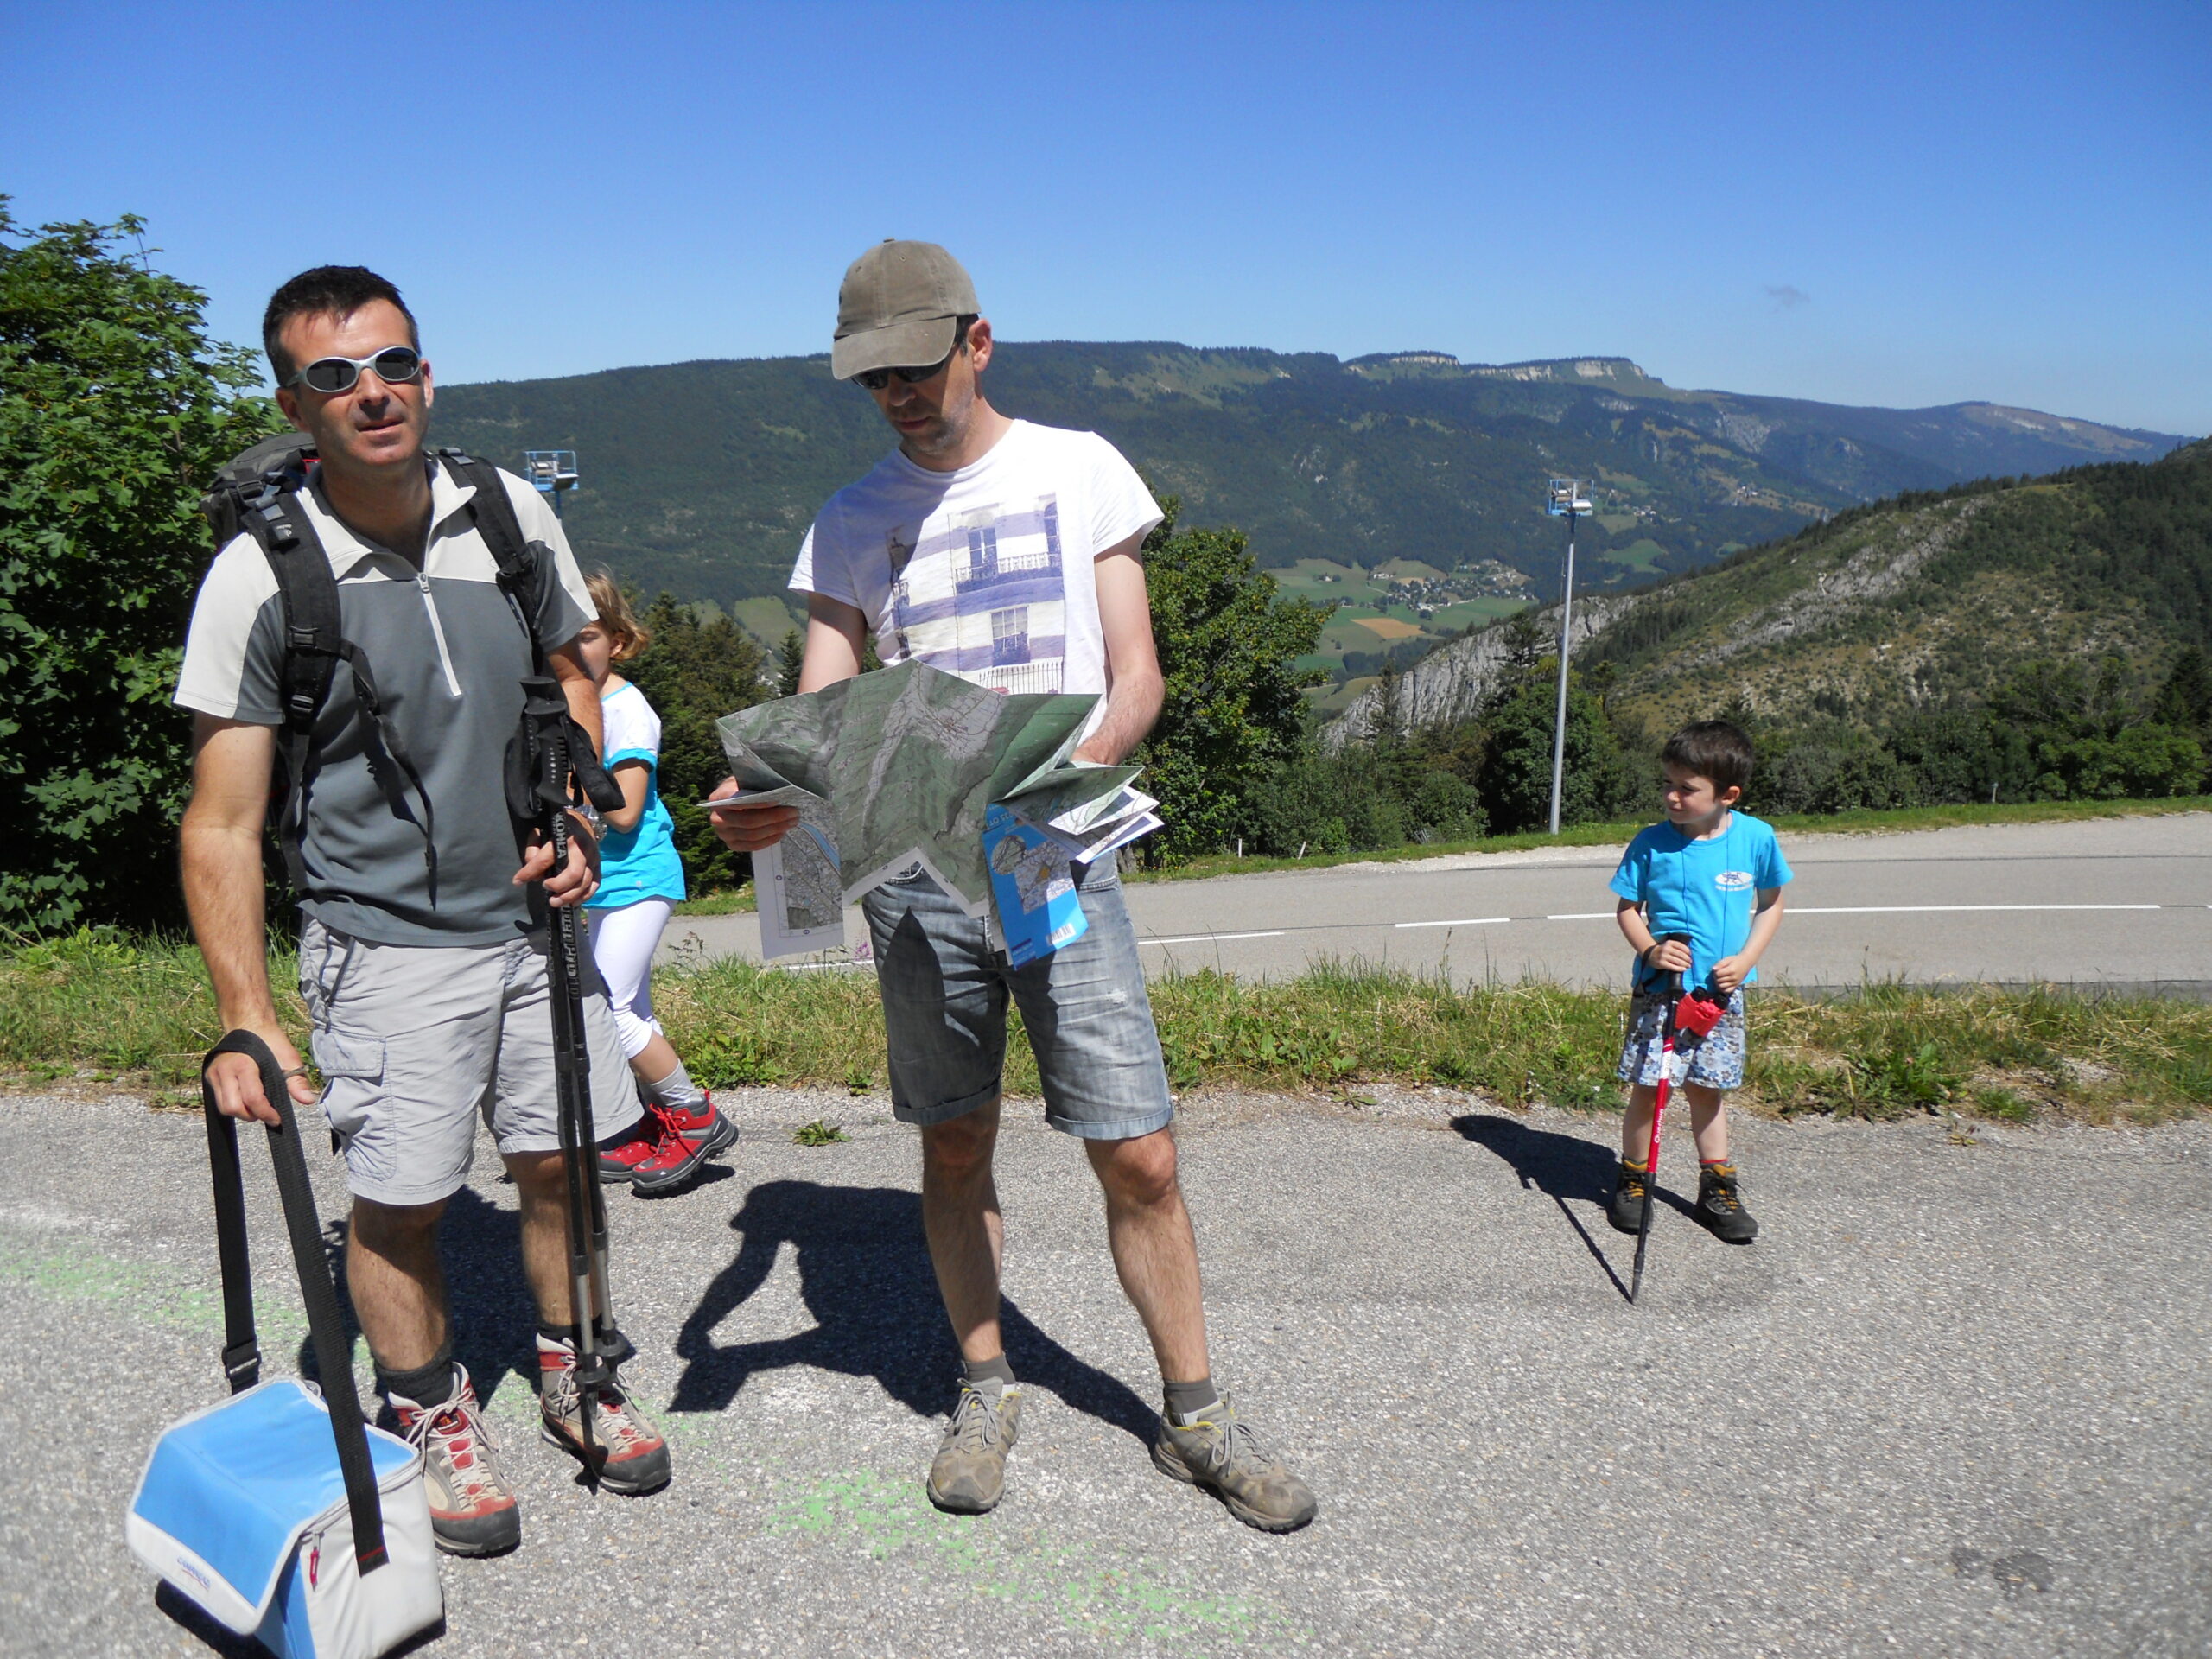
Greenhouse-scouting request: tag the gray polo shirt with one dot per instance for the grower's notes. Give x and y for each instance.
(449, 654)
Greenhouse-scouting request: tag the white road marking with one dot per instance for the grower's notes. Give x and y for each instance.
(1909, 910)
(1607, 915)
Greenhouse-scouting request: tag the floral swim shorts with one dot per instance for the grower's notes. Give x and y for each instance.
(1715, 1062)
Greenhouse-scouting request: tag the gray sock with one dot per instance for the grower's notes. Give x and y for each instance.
(988, 1376)
(1186, 1400)
(678, 1092)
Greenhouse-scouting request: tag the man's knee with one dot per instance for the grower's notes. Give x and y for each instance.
(536, 1174)
(961, 1148)
(1139, 1171)
(376, 1225)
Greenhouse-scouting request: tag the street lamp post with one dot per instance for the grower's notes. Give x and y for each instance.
(553, 471)
(1569, 496)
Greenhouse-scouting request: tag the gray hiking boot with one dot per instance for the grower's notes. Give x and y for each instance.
(472, 1508)
(625, 1455)
(1224, 1455)
(968, 1476)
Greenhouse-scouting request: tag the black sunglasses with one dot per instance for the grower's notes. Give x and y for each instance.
(394, 365)
(877, 380)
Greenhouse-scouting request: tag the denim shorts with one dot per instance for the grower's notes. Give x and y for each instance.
(1084, 1008)
(1715, 1062)
(415, 1043)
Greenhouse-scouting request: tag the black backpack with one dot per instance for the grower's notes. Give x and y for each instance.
(257, 494)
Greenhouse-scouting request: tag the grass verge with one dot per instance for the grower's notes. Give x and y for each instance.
(1895, 821)
(140, 1013)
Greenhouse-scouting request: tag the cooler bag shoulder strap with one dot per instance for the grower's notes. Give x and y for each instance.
(332, 1355)
(241, 1344)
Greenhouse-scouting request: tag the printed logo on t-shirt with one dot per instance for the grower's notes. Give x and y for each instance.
(1732, 881)
(978, 593)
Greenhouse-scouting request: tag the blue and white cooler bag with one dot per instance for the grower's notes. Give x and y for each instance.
(284, 1517)
(242, 1509)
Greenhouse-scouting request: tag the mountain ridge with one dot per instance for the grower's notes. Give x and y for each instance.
(700, 477)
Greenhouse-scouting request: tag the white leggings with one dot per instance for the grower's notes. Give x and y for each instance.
(623, 941)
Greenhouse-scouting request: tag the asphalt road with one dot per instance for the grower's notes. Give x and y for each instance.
(2108, 901)
(1954, 1400)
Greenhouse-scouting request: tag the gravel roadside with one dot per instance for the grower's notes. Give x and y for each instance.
(1953, 1399)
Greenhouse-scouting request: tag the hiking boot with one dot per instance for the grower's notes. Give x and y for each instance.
(1224, 1455)
(968, 1474)
(627, 1454)
(1720, 1204)
(1625, 1208)
(471, 1510)
(685, 1141)
(621, 1152)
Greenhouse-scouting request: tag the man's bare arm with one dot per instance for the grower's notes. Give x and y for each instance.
(1134, 689)
(220, 842)
(836, 635)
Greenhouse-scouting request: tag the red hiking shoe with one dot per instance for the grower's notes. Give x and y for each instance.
(621, 1153)
(685, 1141)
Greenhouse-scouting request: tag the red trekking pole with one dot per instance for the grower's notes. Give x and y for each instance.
(1696, 1013)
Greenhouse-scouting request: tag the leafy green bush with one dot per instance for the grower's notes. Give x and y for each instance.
(1234, 712)
(115, 411)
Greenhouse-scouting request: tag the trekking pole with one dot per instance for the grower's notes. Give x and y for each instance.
(1670, 989)
(1696, 1013)
(545, 713)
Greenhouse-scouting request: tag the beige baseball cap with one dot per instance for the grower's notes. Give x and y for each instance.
(897, 308)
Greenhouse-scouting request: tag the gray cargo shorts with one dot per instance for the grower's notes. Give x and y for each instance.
(1084, 1008)
(415, 1042)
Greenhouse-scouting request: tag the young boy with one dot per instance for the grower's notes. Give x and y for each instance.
(1695, 875)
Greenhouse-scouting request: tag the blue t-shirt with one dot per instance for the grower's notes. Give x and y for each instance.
(642, 864)
(1707, 889)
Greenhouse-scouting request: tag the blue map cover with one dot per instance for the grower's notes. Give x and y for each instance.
(1031, 888)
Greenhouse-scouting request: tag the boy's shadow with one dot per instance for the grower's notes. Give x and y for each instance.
(1564, 1168)
(865, 1276)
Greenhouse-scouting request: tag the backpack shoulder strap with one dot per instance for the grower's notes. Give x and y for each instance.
(312, 637)
(314, 643)
(524, 568)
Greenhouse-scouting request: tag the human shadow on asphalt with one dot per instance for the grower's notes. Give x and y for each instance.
(1564, 1168)
(864, 1274)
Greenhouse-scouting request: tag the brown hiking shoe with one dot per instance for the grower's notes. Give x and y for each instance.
(968, 1474)
(627, 1454)
(1720, 1204)
(473, 1512)
(1224, 1455)
(1625, 1208)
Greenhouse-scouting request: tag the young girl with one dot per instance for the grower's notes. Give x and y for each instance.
(640, 881)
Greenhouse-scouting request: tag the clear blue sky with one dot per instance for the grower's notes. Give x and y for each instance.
(1876, 203)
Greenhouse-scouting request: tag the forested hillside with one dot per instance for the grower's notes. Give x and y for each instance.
(2007, 640)
(700, 477)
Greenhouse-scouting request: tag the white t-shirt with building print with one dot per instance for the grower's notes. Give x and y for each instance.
(985, 572)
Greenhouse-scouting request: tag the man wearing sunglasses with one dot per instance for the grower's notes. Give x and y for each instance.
(423, 978)
(1008, 553)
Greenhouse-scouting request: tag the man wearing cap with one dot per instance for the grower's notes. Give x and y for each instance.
(1007, 553)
